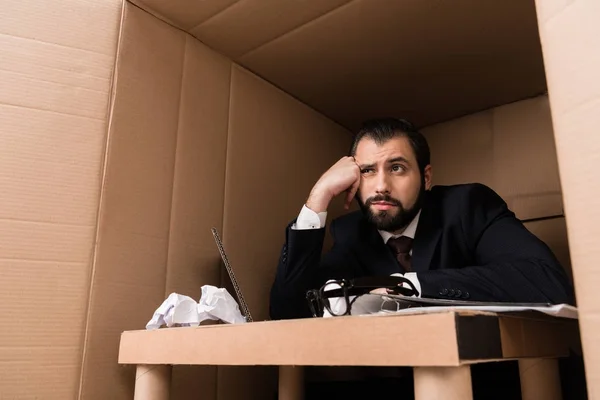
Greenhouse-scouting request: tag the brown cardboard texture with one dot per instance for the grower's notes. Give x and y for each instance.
(129, 130)
(570, 37)
(55, 75)
(455, 338)
(367, 50)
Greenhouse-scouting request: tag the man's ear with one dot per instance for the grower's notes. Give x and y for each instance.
(428, 174)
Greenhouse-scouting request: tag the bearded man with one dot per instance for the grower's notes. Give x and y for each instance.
(454, 242)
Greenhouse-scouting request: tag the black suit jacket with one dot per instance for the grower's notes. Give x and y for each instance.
(468, 245)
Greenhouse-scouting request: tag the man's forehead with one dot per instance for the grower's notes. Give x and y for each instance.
(369, 151)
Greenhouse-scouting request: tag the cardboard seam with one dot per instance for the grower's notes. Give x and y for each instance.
(52, 111)
(549, 19)
(102, 184)
(319, 114)
(156, 15)
(278, 37)
(38, 222)
(30, 260)
(585, 103)
(177, 137)
(54, 44)
(45, 68)
(487, 108)
(37, 260)
(30, 77)
(144, 7)
(199, 24)
(227, 145)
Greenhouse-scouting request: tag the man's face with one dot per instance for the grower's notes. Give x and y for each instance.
(391, 187)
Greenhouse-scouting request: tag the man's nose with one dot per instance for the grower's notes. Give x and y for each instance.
(382, 183)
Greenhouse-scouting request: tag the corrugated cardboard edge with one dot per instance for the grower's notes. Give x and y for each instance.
(355, 348)
(93, 256)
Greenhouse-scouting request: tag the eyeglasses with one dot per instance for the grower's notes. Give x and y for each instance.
(318, 299)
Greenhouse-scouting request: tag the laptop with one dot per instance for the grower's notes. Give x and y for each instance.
(238, 292)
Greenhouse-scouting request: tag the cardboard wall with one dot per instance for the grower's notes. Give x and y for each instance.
(55, 77)
(195, 142)
(366, 49)
(570, 37)
(511, 149)
(113, 189)
(277, 149)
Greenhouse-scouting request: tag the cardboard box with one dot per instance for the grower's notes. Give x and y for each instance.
(128, 130)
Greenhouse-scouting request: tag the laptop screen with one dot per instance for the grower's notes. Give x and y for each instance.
(238, 292)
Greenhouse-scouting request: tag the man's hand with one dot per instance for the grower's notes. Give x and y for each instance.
(342, 176)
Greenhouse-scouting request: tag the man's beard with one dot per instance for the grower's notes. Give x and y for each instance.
(386, 220)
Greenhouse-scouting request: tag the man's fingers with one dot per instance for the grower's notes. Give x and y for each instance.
(348, 199)
(352, 192)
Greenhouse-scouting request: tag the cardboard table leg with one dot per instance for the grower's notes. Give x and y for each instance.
(540, 379)
(449, 383)
(152, 382)
(291, 382)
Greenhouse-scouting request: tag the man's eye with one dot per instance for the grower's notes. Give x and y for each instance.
(397, 167)
(366, 170)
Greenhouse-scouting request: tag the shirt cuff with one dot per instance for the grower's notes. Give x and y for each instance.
(411, 276)
(308, 219)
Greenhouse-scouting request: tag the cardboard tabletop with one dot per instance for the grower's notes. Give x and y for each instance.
(440, 339)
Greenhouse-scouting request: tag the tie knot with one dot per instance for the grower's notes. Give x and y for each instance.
(400, 245)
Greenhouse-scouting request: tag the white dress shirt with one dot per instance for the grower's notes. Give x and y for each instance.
(308, 219)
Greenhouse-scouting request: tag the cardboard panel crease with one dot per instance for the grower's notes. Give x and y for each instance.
(270, 136)
(198, 192)
(570, 35)
(85, 25)
(55, 74)
(185, 14)
(278, 148)
(234, 34)
(131, 254)
(336, 53)
(199, 184)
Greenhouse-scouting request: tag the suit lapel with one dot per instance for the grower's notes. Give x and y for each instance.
(427, 236)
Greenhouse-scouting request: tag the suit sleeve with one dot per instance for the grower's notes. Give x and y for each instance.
(302, 267)
(511, 264)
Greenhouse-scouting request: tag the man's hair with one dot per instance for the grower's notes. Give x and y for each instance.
(383, 129)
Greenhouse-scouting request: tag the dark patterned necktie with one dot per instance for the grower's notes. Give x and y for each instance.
(401, 247)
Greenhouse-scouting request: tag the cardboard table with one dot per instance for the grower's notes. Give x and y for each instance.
(440, 347)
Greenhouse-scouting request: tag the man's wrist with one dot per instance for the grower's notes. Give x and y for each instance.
(318, 201)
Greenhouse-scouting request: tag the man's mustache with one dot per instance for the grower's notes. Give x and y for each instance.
(385, 198)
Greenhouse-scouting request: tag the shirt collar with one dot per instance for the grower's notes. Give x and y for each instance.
(410, 230)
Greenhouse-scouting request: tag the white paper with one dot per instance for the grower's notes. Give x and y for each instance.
(558, 310)
(375, 304)
(176, 310)
(217, 303)
(179, 310)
